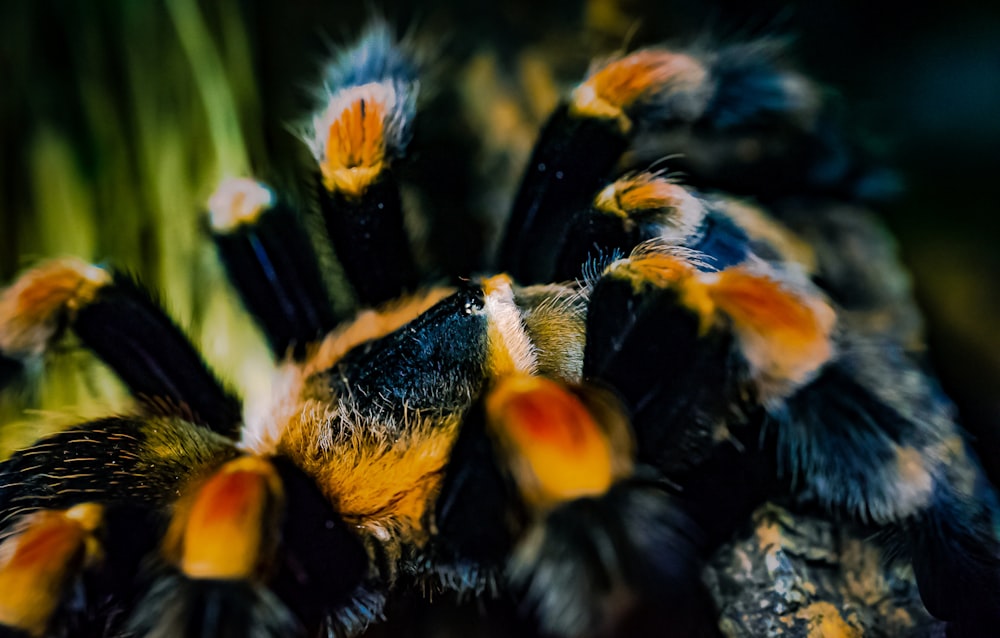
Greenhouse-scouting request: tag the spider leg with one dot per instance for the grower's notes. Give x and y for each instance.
(848, 254)
(571, 155)
(646, 207)
(716, 354)
(118, 460)
(130, 470)
(581, 144)
(38, 564)
(270, 260)
(362, 130)
(587, 540)
(232, 511)
(901, 462)
(737, 119)
(764, 130)
(323, 574)
(221, 538)
(692, 355)
(637, 317)
(121, 323)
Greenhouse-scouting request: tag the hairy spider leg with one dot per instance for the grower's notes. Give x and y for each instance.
(121, 322)
(270, 260)
(581, 143)
(649, 207)
(356, 138)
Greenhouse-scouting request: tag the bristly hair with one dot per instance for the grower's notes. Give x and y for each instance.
(378, 70)
(654, 197)
(377, 56)
(648, 85)
(179, 606)
(38, 305)
(364, 608)
(753, 83)
(594, 268)
(592, 560)
(396, 105)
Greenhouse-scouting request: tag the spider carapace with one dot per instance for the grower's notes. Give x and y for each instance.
(573, 441)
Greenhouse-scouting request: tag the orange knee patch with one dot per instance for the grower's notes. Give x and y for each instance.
(621, 83)
(784, 334)
(37, 564)
(652, 270)
(230, 525)
(555, 448)
(32, 309)
(646, 192)
(354, 153)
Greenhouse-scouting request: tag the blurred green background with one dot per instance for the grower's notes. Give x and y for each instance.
(117, 118)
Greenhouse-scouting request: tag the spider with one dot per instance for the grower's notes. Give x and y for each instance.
(577, 435)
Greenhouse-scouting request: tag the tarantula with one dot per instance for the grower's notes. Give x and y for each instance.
(577, 434)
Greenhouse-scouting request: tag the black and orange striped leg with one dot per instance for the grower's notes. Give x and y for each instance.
(119, 320)
(696, 355)
(582, 143)
(132, 470)
(222, 547)
(588, 542)
(899, 467)
(74, 572)
(239, 564)
(41, 563)
(357, 138)
(270, 260)
(690, 354)
(770, 132)
(221, 540)
(602, 542)
(649, 347)
(650, 207)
